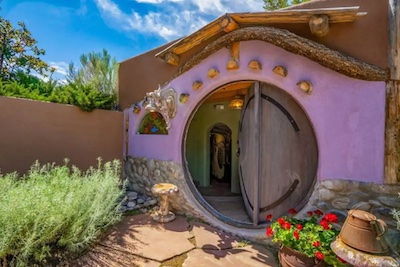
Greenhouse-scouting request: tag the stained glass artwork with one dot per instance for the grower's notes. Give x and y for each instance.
(153, 123)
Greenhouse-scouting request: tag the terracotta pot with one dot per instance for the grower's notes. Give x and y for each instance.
(293, 258)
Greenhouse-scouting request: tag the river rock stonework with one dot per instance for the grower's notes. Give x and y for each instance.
(143, 173)
(337, 196)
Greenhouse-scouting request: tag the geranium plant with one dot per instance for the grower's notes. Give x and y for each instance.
(311, 236)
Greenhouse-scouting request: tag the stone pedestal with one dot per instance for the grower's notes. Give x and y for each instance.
(361, 259)
(164, 190)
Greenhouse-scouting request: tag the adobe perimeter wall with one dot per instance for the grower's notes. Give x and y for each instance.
(48, 132)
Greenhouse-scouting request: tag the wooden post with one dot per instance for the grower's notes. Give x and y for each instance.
(392, 129)
(234, 51)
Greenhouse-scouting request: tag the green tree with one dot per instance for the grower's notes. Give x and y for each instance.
(277, 4)
(19, 52)
(97, 70)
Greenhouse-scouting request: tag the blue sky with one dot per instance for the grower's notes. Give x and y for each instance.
(68, 28)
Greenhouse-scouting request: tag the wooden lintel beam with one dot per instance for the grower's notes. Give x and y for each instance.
(234, 51)
(319, 25)
(228, 24)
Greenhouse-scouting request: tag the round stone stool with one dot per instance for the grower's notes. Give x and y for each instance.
(164, 190)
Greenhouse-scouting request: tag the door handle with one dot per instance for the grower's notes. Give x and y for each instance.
(238, 151)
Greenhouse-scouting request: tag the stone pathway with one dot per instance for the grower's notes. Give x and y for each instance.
(139, 241)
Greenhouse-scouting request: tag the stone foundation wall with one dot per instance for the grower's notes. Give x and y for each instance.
(143, 173)
(337, 196)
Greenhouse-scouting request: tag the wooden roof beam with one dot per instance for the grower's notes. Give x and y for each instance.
(318, 19)
(222, 24)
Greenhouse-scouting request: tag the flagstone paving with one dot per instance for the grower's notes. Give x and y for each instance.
(139, 241)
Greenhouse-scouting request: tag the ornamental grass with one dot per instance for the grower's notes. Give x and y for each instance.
(55, 210)
(311, 236)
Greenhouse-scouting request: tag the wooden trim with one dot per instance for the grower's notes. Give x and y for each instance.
(336, 15)
(228, 24)
(257, 126)
(392, 123)
(233, 21)
(392, 133)
(234, 51)
(394, 39)
(295, 44)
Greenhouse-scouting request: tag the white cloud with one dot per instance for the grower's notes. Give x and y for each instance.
(172, 18)
(61, 67)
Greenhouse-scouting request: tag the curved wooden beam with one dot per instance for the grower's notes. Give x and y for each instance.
(295, 44)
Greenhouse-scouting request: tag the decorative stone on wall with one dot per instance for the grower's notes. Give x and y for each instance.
(339, 196)
(143, 173)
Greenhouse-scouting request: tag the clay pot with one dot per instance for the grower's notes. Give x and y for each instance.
(293, 258)
(363, 231)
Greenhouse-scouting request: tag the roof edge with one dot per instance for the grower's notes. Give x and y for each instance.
(295, 44)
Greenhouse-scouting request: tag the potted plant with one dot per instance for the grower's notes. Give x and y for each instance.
(305, 242)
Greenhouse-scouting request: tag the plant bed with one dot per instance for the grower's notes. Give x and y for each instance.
(54, 212)
(305, 242)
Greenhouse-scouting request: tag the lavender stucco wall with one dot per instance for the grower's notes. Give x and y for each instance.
(347, 114)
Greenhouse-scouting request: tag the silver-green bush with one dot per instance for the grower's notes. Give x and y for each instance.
(55, 208)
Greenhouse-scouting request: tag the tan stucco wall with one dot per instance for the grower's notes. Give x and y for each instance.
(366, 39)
(48, 132)
(144, 73)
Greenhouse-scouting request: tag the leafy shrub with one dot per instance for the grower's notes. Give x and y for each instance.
(84, 96)
(55, 208)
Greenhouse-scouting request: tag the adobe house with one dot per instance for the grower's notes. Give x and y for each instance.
(258, 113)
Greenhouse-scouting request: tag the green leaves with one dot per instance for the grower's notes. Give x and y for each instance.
(277, 4)
(98, 70)
(18, 52)
(56, 209)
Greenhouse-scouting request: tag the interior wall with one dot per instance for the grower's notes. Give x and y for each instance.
(49, 132)
(197, 142)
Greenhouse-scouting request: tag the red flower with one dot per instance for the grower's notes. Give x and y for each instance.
(310, 213)
(299, 226)
(270, 232)
(342, 260)
(319, 255)
(281, 221)
(316, 244)
(296, 235)
(330, 217)
(269, 217)
(286, 225)
(324, 224)
(292, 211)
(154, 115)
(318, 213)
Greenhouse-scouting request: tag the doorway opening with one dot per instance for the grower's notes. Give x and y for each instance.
(250, 162)
(220, 155)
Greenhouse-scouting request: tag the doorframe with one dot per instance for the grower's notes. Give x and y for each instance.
(189, 179)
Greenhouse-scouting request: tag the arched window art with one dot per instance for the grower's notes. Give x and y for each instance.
(153, 123)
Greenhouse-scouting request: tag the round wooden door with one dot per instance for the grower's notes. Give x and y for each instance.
(278, 153)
